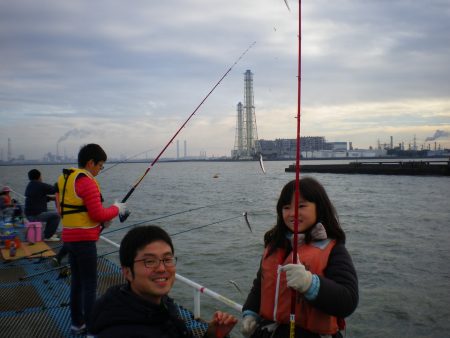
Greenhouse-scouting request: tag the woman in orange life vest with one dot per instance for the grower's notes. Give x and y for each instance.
(324, 277)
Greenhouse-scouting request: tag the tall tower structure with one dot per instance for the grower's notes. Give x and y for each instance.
(246, 131)
(239, 140)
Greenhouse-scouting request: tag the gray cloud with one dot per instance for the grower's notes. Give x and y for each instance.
(65, 65)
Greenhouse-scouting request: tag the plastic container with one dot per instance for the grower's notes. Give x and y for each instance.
(34, 232)
(12, 249)
(8, 239)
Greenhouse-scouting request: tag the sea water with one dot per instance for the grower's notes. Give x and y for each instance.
(397, 231)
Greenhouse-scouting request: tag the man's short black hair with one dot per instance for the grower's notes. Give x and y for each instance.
(89, 152)
(137, 238)
(34, 174)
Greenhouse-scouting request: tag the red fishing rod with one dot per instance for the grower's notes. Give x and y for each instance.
(297, 170)
(124, 217)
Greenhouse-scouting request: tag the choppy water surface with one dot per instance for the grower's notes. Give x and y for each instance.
(397, 233)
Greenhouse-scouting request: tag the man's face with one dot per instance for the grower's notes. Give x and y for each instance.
(152, 283)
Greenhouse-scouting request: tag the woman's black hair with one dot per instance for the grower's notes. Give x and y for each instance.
(312, 191)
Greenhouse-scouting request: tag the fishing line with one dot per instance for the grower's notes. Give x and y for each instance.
(125, 160)
(166, 216)
(39, 253)
(135, 224)
(114, 251)
(17, 193)
(124, 217)
(206, 225)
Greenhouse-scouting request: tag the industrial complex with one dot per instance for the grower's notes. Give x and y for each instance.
(248, 146)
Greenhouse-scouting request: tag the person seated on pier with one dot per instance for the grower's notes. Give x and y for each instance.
(9, 207)
(142, 307)
(38, 194)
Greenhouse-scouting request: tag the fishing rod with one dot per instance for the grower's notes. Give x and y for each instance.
(111, 252)
(17, 193)
(60, 267)
(38, 254)
(297, 170)
(125, 216)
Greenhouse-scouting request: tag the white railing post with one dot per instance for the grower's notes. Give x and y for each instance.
(196, 303)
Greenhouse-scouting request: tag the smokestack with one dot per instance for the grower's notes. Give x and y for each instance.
(178, 149)
(185, 148)
(9, 150)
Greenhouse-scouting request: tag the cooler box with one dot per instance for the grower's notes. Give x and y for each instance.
(34, 232)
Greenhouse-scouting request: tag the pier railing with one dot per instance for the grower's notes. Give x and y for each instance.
(198, 289)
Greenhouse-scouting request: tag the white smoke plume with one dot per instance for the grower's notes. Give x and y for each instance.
(437, 134)
(74, 133)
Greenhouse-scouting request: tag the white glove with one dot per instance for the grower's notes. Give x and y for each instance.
(297, 277)
(248, 325)
(122, 207)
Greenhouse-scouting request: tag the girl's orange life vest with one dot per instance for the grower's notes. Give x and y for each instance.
(276, 295)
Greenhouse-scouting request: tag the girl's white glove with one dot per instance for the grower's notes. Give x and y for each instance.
(248, 325)
(297, 277)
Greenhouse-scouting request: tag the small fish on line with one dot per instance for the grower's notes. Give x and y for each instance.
(246, 220)
(236, 286)
(261, 163)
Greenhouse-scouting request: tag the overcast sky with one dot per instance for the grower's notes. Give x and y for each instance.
(127, 74)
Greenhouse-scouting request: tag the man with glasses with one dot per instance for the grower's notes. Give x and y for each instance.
(142, 307)
(83, 217)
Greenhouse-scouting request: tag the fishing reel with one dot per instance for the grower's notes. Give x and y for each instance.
(124, 216)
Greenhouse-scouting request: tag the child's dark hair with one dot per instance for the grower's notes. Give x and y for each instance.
(137, 238)
(89, 152)
(312, 191)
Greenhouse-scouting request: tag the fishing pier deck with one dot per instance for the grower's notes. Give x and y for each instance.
(38, 305)
(34, 296)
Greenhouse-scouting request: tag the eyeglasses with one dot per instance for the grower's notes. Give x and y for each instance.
(153, 263)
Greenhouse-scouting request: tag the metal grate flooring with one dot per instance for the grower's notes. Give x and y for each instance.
(38, 306)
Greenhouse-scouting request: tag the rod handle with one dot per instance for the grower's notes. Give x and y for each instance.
(123, 217)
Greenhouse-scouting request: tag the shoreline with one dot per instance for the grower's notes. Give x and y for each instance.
(170, 160)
